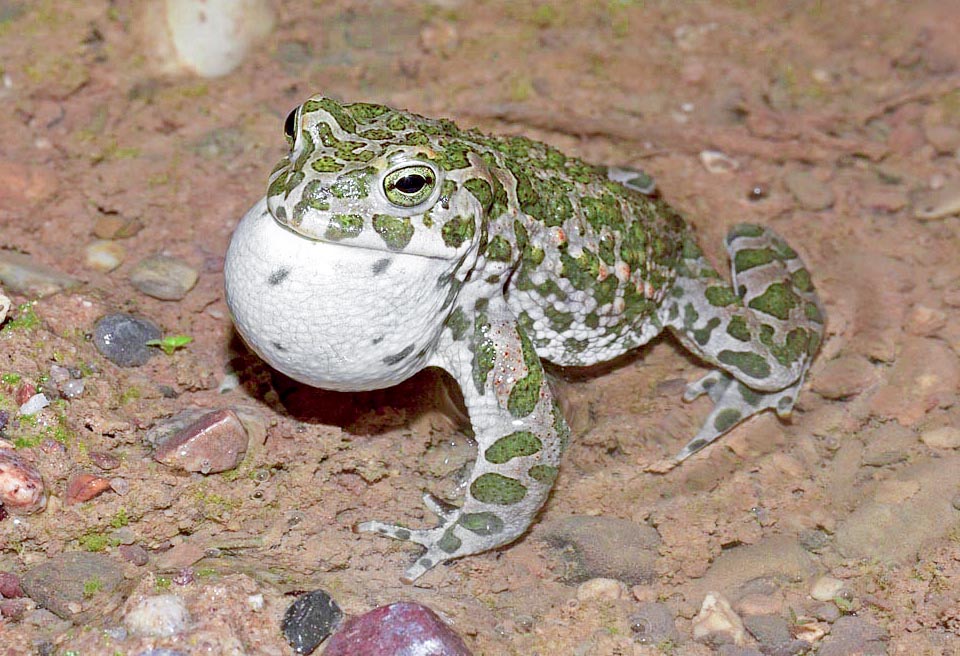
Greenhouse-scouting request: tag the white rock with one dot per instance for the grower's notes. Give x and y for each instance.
(601, 588)
(716, 162)
(826, 588)
(159, 616)
(945, 437)
(208, 38)
(104, 255)
(4, 307)
(717, 617)
(34, 404)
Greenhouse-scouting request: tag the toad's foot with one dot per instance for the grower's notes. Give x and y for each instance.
(733, 403)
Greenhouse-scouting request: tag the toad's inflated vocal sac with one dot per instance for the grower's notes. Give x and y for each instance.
(388, 242)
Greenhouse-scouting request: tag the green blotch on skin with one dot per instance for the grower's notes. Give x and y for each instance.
(482, 192)
(744, 230)
(402, 534)
(777, 300)
(801, 280)
(481, 523)
(353, 185)
(574, 345)
(457, 230)
(376, 134)
(514, 445)
(526, 391)
(750, 396)
(606, 250)
(498, 489)
(737, 328)
(702, 335)
(603, 211)
(449, 543)
(812, 312)
(447, 191)
(559, 321)
(343, 226)
(366, 112)
(720, 296)
(458, 324)
(545, 474)
(485, 355)
(396, 232)
(335, 109)
(326, 164)
(749, 363)
(560, 425)
(499, 250)
(784, 252)
(397, 122)
(454, 156)
(748, 258)
(582, 271)
(726, 419)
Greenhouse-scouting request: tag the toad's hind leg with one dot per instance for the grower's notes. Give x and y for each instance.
(520, 434)
(761, 332)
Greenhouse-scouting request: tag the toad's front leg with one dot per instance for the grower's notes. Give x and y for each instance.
(520, 434)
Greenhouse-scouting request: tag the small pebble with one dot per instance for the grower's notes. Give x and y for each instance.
(104, 256)
(654, 623)
(159, 616)
(810, 193)
(113, 226)
(944, 437)
(214, 443)
(15, 609)
(104, 460)
(826, 588)
(83, 487)
(121, 338)
(601, 588)
(120, 485)
(21, 274)
(163, 277)
(939, 203)
(10, 586)
(34, 404)
(21, 487)
(310, 620)
(24, 392)
(72, 389)
(716, 162)
(400, 628)
(59, 374)
(717, 623)
(134, 553)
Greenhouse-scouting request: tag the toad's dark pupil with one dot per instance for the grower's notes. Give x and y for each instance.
(410, 184)
(290, 124)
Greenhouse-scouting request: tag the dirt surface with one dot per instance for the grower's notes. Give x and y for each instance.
(841, 125)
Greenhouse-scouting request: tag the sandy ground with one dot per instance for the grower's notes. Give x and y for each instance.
(840, 122)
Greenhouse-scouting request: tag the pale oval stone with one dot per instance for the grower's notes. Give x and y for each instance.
(159, 616)
(945, 437)
(826, 588)
(601, 588)
(163, 277)
(716, 162)
(104, 256)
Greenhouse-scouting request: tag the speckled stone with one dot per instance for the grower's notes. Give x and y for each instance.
(163, 277)
(310, 620)
(122, 338)
(400, 628)
(215, 442)
(59, 584)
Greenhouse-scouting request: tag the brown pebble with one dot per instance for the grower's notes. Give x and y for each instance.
(116, 227)
(21, 487)
(10, 586)
(83, 487)
(134, 554)
(15, 609)
(104, 460)
(24, 393)
(214, 443)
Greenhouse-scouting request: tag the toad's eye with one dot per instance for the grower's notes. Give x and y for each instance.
(290, 126)
(410, 185)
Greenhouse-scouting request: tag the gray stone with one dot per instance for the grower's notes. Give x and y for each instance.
(604, 547)
(853, 635)
(122, 339)
(21, 274)
(72, 580)
(769, 630)
(654, 623)
(163, 277)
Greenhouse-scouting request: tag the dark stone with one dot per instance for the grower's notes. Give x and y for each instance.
(121, 338)
(309, 620)
(769, 630)
(854, 635)
(10, 586)
(400, 628)
(605, 547)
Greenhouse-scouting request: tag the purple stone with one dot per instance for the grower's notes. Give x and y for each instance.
(400, 629)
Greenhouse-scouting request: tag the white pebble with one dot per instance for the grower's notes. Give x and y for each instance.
(34, 404)
(716, 162)
(717, 617)
(601, 588)
(826, 588)
(160, 616)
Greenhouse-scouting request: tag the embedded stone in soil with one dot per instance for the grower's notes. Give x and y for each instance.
(310, 620)
(122, 339)
(215, 442)
(163, 277)
(400, 628)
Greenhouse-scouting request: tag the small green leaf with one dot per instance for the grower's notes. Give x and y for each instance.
(170, 343)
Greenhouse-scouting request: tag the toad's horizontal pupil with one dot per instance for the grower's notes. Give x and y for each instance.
(410, 184)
